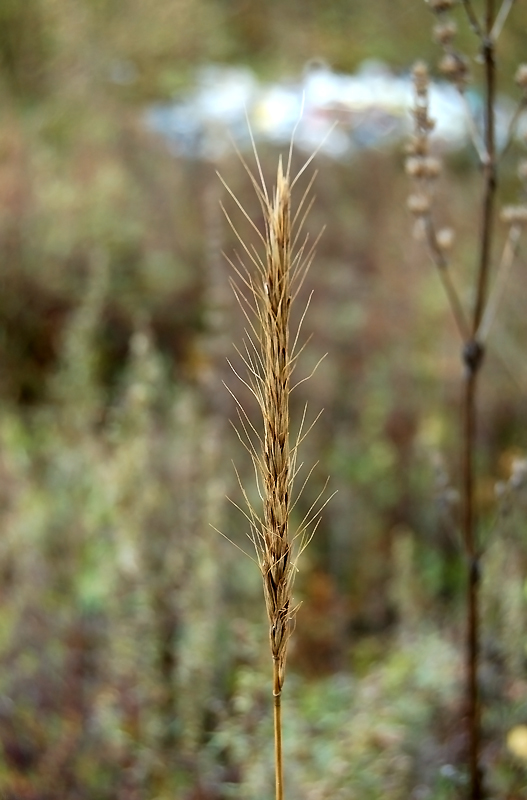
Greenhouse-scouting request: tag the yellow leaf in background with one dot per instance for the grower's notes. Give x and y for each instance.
(517, 741)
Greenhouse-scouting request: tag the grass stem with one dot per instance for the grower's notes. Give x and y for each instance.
(278, 754)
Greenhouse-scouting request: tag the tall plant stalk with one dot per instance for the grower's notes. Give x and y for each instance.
(473, 325)
(266, 287)
(473, 353)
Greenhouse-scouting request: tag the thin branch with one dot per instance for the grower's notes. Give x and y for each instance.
(513, 124)
(507, 259)
(473, 19)
(489, 174)
(439, 259)
(475, 134)
(501, 18)
(512, 353)
(455, 303)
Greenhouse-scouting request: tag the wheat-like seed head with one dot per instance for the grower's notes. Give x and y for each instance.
(274, 309)
(265, 294)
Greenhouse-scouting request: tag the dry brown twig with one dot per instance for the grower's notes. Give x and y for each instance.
(267, 281)
(473, 323)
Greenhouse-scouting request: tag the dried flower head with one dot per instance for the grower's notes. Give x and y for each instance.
(514, 215)
(521, 76)
(431, 167)
(522, 170)
(440, 6)
(444, 32)
(421, 77)
(445, 239)
(418, 145)
(418, 204)
(413, 166)
(427, 167)
(454, 66)
(422, 120)
(518, 473)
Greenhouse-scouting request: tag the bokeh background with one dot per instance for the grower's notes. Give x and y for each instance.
(133, 643)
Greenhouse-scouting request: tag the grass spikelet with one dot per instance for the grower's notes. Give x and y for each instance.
(265, 293)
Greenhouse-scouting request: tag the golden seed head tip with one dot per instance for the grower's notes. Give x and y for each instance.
(280, 172)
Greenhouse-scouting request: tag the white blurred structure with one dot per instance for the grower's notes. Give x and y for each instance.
(336, 113)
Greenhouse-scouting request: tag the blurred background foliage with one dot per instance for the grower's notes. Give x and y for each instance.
(133, 654)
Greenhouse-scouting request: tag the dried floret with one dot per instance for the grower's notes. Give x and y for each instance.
(418, 204)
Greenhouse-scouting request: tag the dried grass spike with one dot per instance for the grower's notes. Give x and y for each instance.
(265, 293)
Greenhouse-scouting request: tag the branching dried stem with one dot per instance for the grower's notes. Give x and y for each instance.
(473, 356)
(265, 293)
(489, 168)
(424, 169)
(474, 325)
